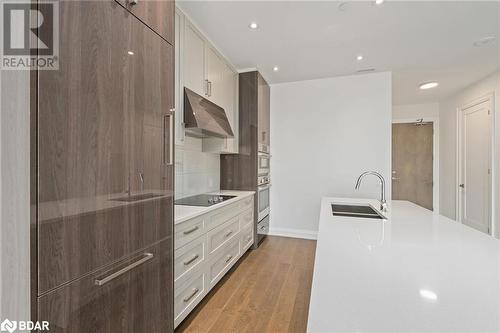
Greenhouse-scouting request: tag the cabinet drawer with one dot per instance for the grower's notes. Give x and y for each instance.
(188, 295)
(246, 237)
(246, 218)
(156, 14)
(221, 235)
(246, 203)
(71, 246)
(187, 231)
(223, 262)
(223, 215)
(134, 296)
(189, 257)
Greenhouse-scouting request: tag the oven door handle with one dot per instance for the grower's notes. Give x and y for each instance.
(264, 187)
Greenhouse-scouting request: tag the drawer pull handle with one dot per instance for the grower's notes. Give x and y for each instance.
(104, 280)
(229, 257)
(187, 232)
(187, 262)
(194, 292)
(228, 234)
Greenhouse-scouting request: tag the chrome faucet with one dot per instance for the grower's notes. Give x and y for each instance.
(383, 202)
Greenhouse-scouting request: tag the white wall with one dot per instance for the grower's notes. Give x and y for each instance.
(448, 144)
(415, 111)
(196, 172)
(324, 134)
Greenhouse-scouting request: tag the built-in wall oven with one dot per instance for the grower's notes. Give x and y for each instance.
(264, 161)
(263, 200)
(263, 207)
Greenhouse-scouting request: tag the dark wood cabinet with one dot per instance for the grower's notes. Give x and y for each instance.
(239, 171)
(105, 173)
(157, 14)
(138, 300)
(264, 106)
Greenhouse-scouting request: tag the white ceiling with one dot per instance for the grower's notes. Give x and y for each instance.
(418, 41)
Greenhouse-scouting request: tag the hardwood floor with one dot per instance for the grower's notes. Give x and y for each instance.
(268, 291)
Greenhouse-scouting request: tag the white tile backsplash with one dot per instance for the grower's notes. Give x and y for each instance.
(196, 172)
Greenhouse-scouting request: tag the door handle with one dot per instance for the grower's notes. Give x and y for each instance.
(194, 292)
(170, 126)
(461, 185)
(145, 257)
(187, 232)
(193, 258)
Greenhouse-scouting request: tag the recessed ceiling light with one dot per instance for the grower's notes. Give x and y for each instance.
(428, 295)
(484, 41)
(275, 68)
(379, 2)
(359, 57)
(253, 25)
(428, 85)
(130, 52)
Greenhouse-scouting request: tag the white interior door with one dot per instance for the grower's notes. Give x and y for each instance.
(475, 182)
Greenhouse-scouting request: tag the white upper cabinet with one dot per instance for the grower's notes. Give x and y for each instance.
(204, 70)
(215, 77)
(194, 60)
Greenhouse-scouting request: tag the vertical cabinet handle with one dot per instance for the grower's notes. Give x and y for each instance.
(209, 88)
(168, 148)
(206, 87)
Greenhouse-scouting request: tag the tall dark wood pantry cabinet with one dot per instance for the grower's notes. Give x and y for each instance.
(104, 171)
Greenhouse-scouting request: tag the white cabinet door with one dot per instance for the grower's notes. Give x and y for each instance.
(227, 99)
(194, 60)
(215, 77)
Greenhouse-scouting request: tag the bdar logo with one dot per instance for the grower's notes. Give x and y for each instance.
(8, 326)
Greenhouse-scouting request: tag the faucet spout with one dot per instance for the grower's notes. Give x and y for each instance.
(383, 201)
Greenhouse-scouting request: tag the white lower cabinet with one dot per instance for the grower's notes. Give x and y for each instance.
(222, 262)
(206, 247)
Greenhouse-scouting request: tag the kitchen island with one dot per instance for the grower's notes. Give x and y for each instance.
(417, 271)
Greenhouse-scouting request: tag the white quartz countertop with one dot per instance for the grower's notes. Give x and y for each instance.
(415, 272)
(183, 213)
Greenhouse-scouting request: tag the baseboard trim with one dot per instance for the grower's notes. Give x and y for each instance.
(294, 233)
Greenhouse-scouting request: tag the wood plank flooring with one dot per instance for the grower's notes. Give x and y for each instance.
(268, 291)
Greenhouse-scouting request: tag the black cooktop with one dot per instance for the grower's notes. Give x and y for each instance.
(203, 200)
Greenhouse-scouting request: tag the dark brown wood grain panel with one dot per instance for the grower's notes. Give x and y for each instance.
(139, 300)
(100, 127)
(156, 14)
(75, 245)
(239, 171)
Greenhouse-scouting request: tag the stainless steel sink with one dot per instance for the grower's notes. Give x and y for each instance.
(364, 211)
(138, 197)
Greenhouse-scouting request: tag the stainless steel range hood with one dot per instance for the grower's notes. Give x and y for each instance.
(202, 118)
